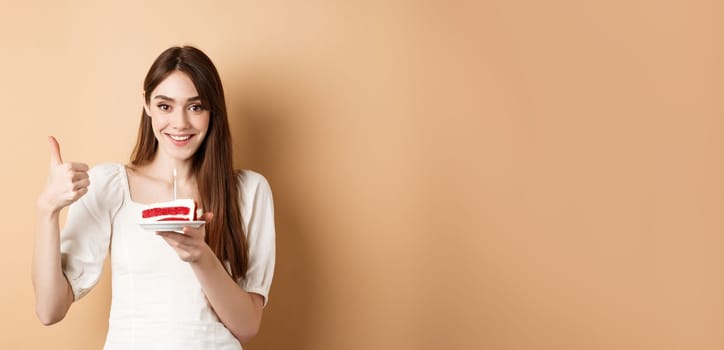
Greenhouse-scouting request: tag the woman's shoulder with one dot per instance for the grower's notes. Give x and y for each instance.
(106, 172)
(108, 177)
(251, 181)
(107, 184)
(249, 175)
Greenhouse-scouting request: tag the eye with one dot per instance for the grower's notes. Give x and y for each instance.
(163, 107)
(196, 108)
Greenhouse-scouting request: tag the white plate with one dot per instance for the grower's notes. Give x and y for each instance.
(176, 226)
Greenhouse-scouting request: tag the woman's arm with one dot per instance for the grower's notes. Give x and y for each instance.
(237, 309)
(53, 294)
(67, 182)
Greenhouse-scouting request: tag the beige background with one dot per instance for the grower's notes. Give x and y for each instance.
(447, 175)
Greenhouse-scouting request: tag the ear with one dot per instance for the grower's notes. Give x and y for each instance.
(145, 105)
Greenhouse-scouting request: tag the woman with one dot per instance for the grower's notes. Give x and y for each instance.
(203, 289)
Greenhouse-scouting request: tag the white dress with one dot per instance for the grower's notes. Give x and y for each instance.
(157, 301)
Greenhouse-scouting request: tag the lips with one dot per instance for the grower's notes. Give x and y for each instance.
(180, 140)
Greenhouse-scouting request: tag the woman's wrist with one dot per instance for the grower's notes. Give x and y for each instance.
(45, 210)
(206, 258)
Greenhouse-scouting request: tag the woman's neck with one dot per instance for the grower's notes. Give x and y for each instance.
(164, 168)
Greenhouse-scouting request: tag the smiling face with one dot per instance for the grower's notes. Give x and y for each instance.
(178, 117)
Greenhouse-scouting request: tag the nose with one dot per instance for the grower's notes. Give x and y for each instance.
(180, 119)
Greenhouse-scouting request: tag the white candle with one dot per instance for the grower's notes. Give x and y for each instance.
(174, 183)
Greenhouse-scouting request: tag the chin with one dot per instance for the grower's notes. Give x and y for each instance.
(180, 156)
(184, 157)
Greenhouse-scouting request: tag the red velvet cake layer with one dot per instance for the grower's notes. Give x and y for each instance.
(149, 213)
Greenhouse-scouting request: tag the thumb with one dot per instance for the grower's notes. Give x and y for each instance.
(54, 151)
(208, 216)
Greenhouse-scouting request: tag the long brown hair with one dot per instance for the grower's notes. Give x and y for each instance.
(212, 164)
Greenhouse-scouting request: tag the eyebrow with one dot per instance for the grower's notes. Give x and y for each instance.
(162, 97)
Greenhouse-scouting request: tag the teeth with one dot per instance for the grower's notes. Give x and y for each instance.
(180, 138)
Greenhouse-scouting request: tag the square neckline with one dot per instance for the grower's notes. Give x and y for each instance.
(127, 186)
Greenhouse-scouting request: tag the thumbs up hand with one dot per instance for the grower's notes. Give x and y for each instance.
(67, 182)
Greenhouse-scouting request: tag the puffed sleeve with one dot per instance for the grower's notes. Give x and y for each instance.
(258, 216)
(85, 238)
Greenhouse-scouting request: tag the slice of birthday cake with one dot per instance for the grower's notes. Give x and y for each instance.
(177, 210)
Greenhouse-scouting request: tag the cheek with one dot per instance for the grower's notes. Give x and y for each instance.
(202, 125)
(156, 125)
